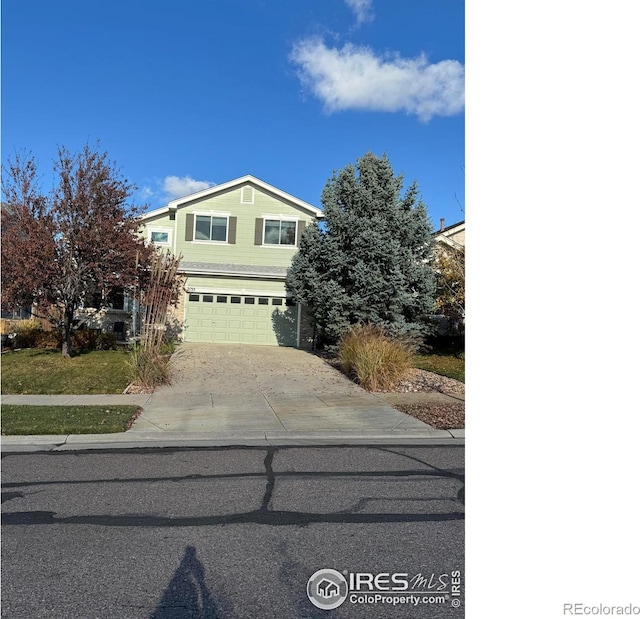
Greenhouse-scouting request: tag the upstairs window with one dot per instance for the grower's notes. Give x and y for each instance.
(279, 232)
(211, 228)
(115, 300)
(160, 236)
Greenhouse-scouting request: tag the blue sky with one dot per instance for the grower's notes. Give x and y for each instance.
(185, 95)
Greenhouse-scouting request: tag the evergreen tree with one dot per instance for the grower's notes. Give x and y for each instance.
(369, 260)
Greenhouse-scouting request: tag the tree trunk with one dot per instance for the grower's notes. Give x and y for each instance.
(69, 311)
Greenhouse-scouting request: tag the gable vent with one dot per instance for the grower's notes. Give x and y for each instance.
(246, 196)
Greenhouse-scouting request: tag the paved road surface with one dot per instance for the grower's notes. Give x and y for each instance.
(226, 532)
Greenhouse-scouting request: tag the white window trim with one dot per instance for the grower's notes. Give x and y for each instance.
(175, 236)
(221, 214)
(279, 218)
(153, 229)
(236, 292)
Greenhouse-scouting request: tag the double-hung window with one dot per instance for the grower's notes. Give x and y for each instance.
(211, 228)
(279, 232)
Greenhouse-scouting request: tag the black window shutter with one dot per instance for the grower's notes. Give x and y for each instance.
(301, 227)
(188, 235)
(231, 236)
(258, 237)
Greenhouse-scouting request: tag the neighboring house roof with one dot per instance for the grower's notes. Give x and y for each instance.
(212, 191)
(210, 268)
(450, 228)
(452, 235)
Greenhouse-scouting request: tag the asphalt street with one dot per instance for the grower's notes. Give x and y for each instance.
(232, 532)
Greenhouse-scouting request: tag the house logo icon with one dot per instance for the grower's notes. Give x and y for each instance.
(327, 589)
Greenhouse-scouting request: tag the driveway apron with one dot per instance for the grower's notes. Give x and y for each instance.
(229, 388)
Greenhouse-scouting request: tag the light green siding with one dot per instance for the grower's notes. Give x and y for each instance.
(244, 251)
(161, 223)
(239, 284)
(160, 220)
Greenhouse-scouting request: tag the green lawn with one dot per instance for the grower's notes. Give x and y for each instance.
(451, 365)
(66, 419)
(39, 371)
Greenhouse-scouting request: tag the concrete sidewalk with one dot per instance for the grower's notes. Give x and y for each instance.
(313, 420)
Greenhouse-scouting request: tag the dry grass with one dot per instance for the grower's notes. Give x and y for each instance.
(372, 359)
(150, 367)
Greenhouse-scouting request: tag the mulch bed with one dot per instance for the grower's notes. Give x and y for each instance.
(437, 414)
(440, 415)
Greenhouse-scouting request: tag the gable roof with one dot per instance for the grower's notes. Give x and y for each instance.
(450, 228)
(445, 235)
(248, 178)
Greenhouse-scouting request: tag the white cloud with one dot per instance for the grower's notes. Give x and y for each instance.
(354, 78)
(362, 9)
(178, 187)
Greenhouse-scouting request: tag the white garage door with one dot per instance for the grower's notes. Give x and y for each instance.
(265, 320)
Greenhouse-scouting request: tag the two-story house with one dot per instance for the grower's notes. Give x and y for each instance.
(237, 240)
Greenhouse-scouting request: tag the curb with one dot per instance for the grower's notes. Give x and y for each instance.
(156, 440)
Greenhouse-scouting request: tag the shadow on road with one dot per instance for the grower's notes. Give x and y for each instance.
(187, 594)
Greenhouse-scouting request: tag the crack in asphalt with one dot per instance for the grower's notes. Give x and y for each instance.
(271, 479)
(271, 517)
(199, 477)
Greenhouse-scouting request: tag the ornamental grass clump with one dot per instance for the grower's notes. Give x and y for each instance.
(150, 367)
(373, 359)
(150, 357)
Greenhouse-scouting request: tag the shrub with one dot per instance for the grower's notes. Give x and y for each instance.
(106, 341)
(84, 340)
(150, 368)
(27, 334)
(48, 340)
(372, 359)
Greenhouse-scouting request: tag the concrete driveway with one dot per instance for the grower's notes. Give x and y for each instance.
(258, 390)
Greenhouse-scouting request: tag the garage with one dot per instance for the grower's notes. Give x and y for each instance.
(241, 319)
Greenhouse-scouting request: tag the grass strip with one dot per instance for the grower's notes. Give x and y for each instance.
(18, 419)
(34, 371)
(445, 365)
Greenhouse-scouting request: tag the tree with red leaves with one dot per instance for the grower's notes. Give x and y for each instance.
(59, 249)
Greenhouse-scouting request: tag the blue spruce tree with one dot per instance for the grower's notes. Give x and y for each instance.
(369, 260)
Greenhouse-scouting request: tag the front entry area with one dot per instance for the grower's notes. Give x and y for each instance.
(241, 319)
